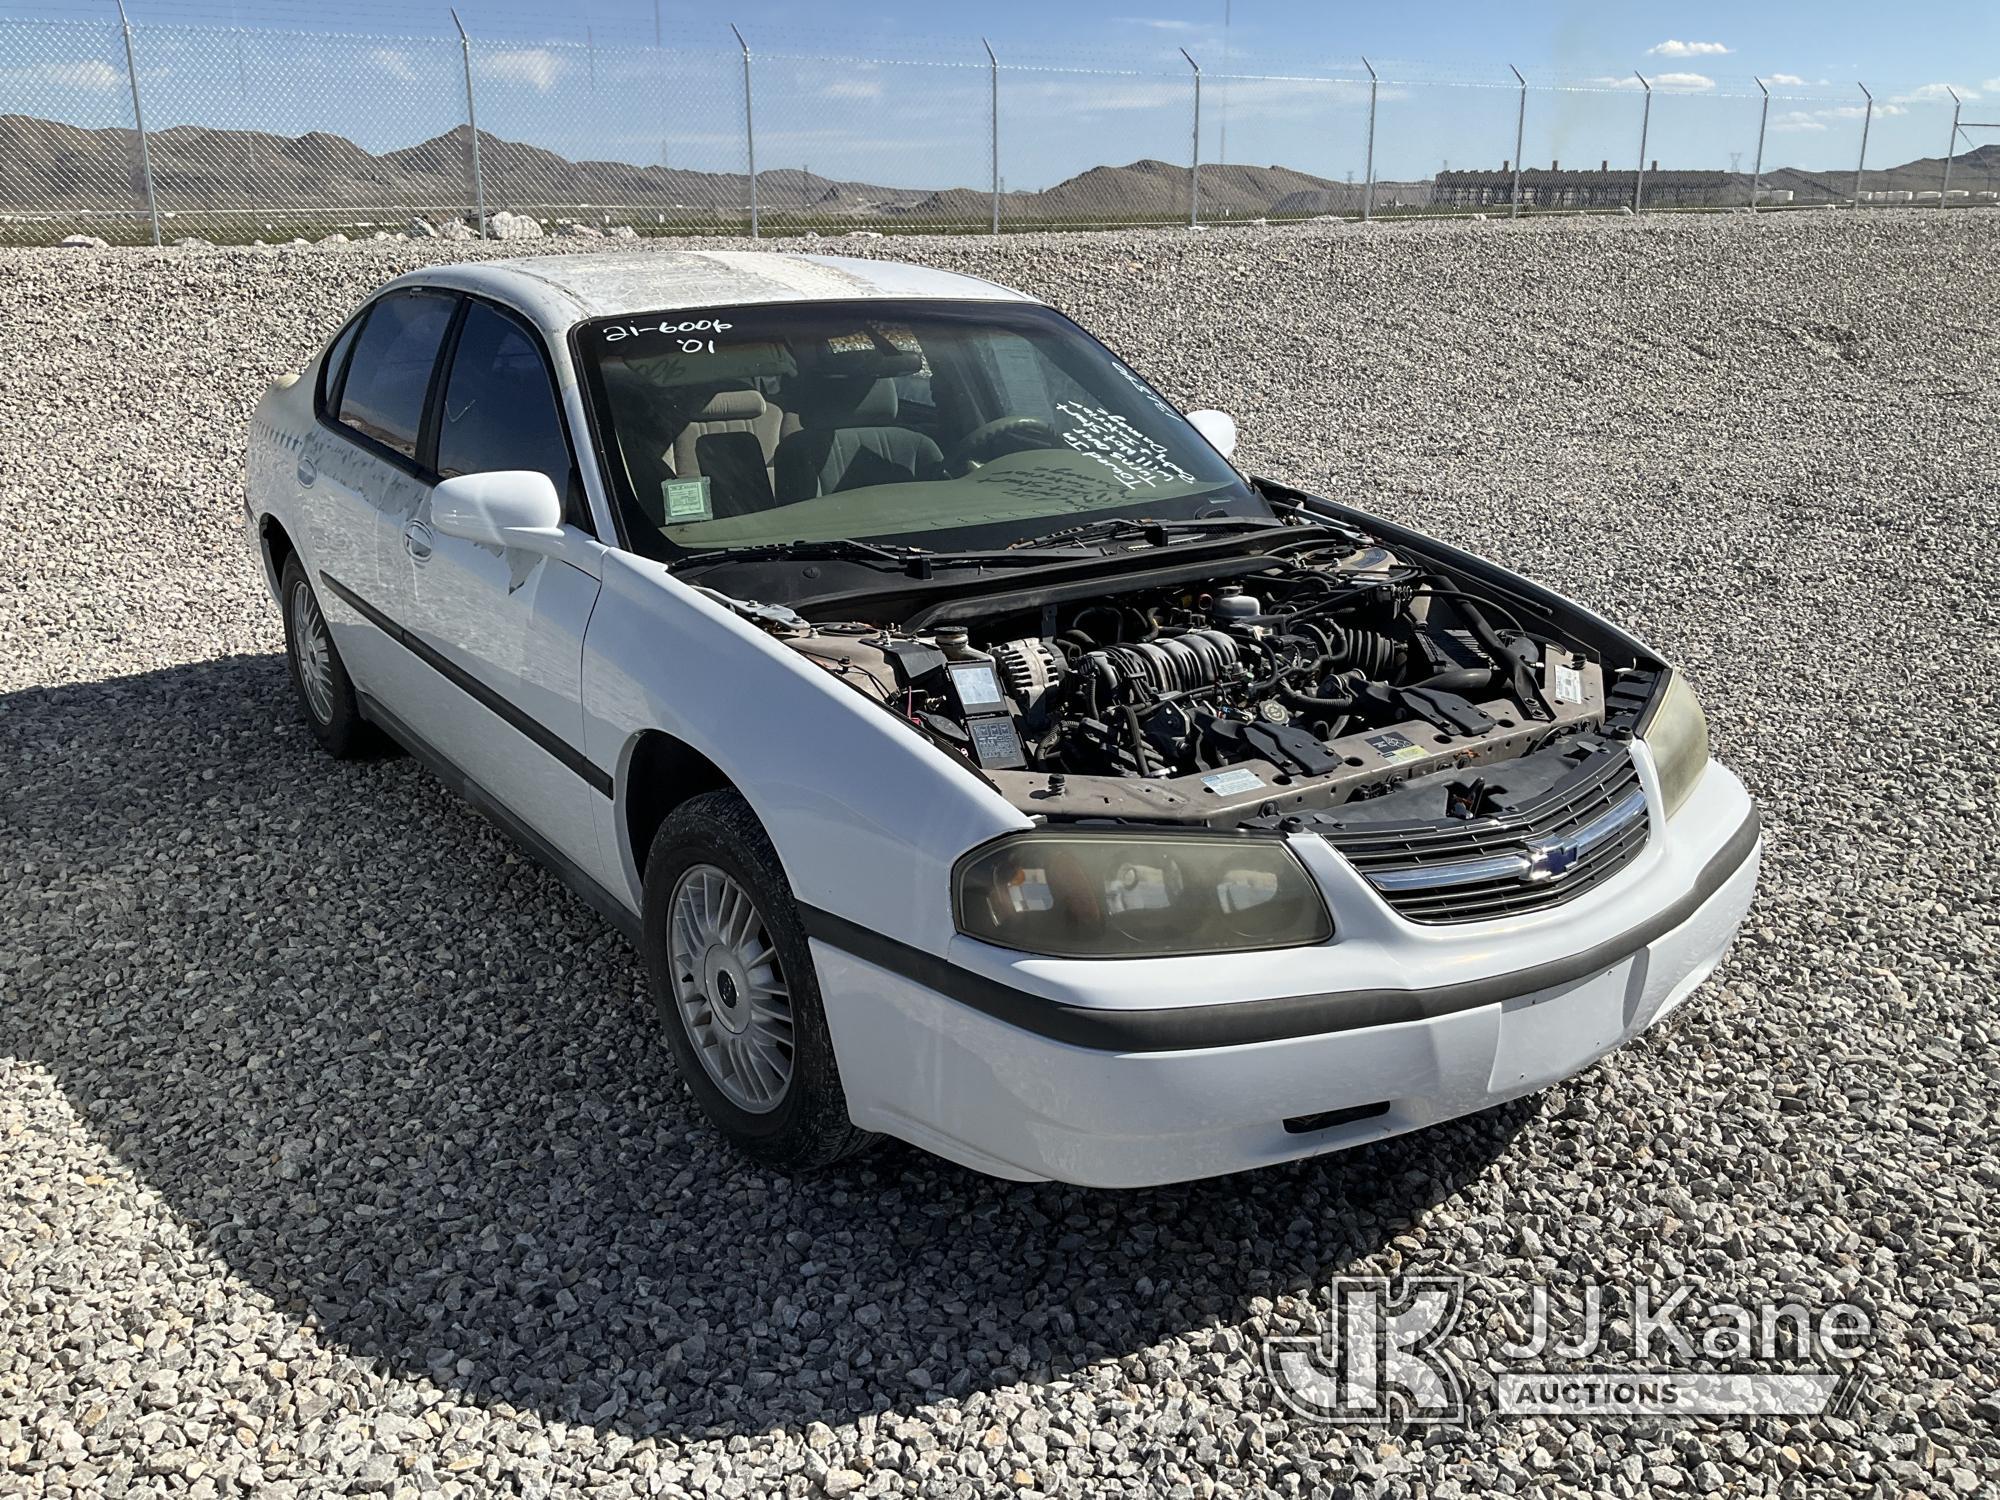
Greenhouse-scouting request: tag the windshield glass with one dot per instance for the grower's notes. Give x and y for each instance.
(947, 425)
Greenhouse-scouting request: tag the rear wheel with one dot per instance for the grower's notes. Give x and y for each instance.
(733, 982)
(326, 696)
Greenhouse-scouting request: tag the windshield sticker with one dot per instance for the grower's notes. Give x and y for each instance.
(691, 331)
(1134, 459)
(851, 343)
(687, 499)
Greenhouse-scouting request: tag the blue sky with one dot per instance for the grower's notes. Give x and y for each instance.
(907, 103)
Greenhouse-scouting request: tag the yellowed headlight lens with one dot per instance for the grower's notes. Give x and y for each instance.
(1678, 738)
(1138, 895)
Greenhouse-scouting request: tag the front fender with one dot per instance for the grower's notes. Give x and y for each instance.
(867, 816)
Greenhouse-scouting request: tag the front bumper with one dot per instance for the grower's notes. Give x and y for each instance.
(1132, 1073)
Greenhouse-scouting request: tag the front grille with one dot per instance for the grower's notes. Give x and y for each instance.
(1571, 839)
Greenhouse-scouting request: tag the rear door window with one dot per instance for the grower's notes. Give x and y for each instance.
(389, 372)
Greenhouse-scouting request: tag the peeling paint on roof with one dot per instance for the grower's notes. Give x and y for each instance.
(559, 290)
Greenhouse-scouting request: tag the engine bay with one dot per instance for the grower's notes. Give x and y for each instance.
(1322, 673)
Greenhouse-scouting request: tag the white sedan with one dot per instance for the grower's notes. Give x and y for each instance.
(973, 754)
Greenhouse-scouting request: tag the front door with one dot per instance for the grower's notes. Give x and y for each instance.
(500, 628)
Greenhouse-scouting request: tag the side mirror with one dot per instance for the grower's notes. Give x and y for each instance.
(506, 508)
(1218, 427)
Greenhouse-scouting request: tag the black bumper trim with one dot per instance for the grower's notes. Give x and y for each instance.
(1240, 1023)
(528, 726)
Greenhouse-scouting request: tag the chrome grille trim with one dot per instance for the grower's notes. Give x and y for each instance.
(1566, 841)
(1519, 866)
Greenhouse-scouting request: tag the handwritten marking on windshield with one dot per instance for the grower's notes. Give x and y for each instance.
(1134, 459)
(619, 332)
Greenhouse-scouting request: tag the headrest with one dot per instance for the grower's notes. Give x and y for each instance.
(847, 403)
(732, 406)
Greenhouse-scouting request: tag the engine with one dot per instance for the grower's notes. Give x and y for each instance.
(1302, 682)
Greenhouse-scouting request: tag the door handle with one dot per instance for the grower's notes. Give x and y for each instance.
(417, 541)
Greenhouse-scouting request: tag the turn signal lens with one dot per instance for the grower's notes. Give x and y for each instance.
(1138, 895)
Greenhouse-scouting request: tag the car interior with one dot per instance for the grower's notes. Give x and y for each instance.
(770, 425)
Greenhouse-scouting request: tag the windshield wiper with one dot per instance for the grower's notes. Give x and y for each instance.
(840, 547)
(917, 561)
(1156, 532)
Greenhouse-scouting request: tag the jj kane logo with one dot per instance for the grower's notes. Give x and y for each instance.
(1385, 1354)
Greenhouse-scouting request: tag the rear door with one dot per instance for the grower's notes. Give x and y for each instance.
(361, 480)
(500, 629)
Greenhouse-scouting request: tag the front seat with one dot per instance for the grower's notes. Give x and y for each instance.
(733, 439)
(847, 439)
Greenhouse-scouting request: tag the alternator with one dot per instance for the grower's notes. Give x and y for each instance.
(1029, 668)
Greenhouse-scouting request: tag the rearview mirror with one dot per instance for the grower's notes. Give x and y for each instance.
(504, 508)
(1218, 427)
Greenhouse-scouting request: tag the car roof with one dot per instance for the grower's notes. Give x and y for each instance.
(558, 291)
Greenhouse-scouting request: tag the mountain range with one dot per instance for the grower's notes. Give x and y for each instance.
(47, 166)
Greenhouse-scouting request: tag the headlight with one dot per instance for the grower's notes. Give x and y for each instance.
(1677, 735)
(1137, 895)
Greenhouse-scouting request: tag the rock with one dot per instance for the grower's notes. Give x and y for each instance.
(512, 226)
(83, 242)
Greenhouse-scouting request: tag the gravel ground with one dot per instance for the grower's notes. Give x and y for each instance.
(338, 1153)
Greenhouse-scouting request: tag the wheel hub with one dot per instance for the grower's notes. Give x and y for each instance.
(729, 989)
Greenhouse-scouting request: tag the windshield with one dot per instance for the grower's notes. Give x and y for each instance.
(928, 423)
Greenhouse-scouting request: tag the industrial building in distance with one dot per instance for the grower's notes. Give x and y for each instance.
(1553, 187)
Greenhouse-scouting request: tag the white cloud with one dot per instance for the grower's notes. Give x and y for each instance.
(1158, 23)
(1627, 82)
(1694, 81)
(1856, 111)
(1937, 93)
(95, 76)
(396, 64)
(537, 67)
(1792, 78)
(852, 88)
(1672, 48)
(1797, 119)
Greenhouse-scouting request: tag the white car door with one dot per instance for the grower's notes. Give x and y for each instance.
(500, 629)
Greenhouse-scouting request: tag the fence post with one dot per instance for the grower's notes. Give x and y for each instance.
(1645, 124)
(1757, 172)
(1951, 149)
(1867, 117)
(1194, 164)
(994, 67)
(139, 123)
(749, 132)
(472, 124)
(1520, 133)
(1368, 187)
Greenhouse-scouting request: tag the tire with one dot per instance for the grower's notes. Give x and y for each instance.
(717, 998)
(319, 677)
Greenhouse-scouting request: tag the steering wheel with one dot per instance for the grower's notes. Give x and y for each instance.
(991, 439)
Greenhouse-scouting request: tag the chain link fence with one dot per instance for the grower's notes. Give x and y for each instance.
(168, 132)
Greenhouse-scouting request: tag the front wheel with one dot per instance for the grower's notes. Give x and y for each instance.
(319, 677)
(733, 982)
